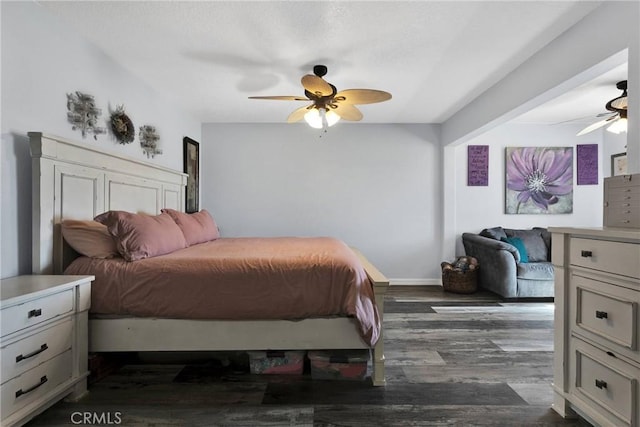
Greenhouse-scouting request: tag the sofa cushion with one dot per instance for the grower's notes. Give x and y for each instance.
(496, 233)
(534, 243)
(519, 245)
(535, 271)
(546, 236)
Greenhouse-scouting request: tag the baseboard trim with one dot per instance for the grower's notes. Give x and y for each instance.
(415, 282)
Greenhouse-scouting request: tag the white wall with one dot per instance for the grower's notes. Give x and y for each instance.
(377, 187)
(42, 61)
(483, 207)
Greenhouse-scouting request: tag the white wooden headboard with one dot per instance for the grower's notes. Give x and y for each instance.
(72, 180)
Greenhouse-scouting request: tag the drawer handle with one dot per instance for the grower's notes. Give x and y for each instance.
(586, 254)
(35, 313)
(42, 348)
(601, 384)
(30, 389)
(601, 314)
(610, 353)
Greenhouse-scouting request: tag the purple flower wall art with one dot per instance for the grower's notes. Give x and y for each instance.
(539, 180)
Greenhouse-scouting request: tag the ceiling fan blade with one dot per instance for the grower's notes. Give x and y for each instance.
(346, 111)
(607, 114)
(298, 114)
(619, 103)
(598, 125)
(281, 98)
(316, 85)
(362, 96)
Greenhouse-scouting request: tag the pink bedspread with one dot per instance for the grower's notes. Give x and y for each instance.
(239, 278)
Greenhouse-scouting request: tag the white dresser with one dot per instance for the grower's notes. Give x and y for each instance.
(597, 324)
(622, 201)
(44, 343)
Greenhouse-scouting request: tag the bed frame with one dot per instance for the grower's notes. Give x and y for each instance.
(77, 181)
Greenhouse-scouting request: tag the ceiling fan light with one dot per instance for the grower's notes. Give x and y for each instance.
(618, 126)
(314, 118)
(332, 118)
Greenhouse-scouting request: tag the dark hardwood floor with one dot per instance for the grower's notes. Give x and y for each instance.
(455, 360)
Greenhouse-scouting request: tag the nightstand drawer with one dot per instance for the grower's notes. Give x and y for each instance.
(610, 384)
(36, 311)
(35, 383)
(608, 311)
(22, 355)
(613, 257)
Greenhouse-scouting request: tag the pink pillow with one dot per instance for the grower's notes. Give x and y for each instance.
(197, 227)
(89, 238)
(140, 236)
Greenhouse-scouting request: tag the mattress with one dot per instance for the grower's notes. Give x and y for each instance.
(286, 278)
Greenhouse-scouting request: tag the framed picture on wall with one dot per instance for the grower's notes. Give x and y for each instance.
(619, 164)
(191, 158)
(539, 180)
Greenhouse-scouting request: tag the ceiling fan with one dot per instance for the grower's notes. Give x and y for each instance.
(328, 105)
(617, 117)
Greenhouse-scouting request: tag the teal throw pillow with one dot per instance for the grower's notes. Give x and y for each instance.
(519, 244)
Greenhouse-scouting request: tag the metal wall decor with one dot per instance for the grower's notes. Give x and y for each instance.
(149, 140)
(83, 114)
(122, 126)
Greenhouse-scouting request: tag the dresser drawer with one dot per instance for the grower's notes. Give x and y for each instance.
(622, 181)
(24, 354)
(622, 202)
(623, 216)
(17, 317)
(624, 194)
(608, 311)
(622, 207)
(35, 383)
(613, 257)
(609, 383)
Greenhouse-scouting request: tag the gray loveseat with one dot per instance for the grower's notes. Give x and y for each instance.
(502, 269)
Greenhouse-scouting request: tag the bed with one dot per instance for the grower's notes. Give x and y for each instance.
(78, 181)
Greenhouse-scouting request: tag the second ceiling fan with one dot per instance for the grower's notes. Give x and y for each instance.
(328, 105)
(617, 115)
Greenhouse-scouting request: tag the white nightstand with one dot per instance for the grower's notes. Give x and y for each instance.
(43, 344)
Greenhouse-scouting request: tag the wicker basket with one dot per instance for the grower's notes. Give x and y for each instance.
(460, 282)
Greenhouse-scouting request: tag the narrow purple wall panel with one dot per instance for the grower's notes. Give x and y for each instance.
(587, 164)
(478, 165)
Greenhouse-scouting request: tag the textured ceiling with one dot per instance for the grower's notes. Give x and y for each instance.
(209, 56)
